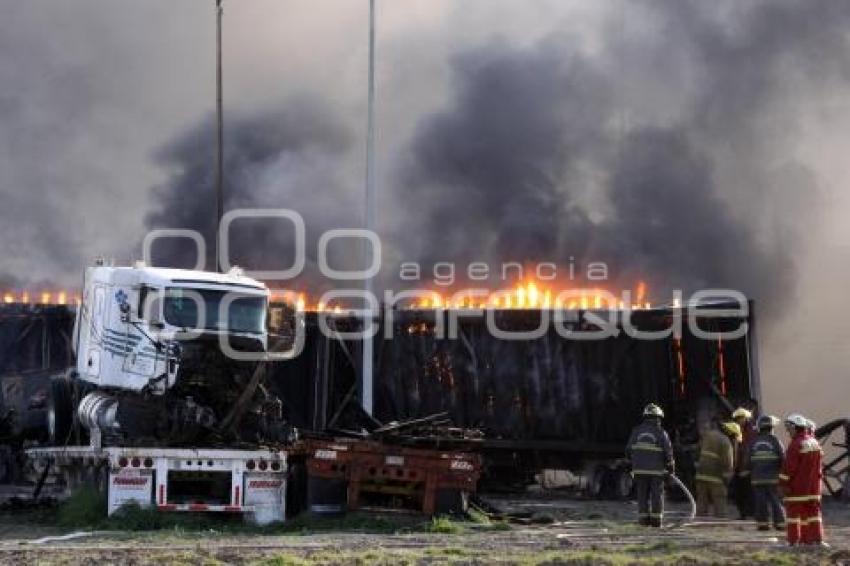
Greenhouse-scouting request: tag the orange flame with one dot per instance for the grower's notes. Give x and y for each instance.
(641, 292)
(43, 297)
(532, 294)
(528, 294)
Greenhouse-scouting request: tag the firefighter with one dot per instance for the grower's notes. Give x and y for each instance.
(741, 489)
(650, 454)
(812, 427)
(762, 462)
(714, 469)
(736, 437)
(800, 482)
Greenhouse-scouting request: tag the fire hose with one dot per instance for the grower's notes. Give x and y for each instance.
(681, 485)
(484, 508)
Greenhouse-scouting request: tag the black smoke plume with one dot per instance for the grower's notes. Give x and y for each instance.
(664, 154)
(282, 159)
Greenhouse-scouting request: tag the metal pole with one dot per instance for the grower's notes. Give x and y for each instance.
(366, 397)
(219, 154)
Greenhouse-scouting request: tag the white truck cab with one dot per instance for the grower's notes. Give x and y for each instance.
(160, 401)
(131, 319)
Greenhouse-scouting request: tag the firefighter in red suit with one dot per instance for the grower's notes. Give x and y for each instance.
(800, 481)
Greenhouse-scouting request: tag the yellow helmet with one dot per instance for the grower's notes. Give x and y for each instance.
(732, 429)
(742, 413)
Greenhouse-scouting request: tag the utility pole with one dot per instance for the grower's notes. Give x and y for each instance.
(219, 152)
(366, 397)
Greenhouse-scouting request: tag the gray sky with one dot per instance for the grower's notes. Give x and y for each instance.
(95, 96)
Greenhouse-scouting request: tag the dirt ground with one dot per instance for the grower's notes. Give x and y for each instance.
(552, 529)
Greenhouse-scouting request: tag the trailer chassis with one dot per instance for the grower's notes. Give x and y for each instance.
(250, 482)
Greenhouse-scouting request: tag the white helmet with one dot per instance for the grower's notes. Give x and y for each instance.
(653, 410)
(797, 420)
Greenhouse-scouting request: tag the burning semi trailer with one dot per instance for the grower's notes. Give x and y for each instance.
(542, 401)
(548, 399)
(35, 345)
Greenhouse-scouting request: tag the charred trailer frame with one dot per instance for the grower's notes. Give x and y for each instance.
(35, 345)
(545, 402)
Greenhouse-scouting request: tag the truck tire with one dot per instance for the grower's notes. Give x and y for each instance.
(60, 411)
(598, 484)
(623, 483)
(327, 496)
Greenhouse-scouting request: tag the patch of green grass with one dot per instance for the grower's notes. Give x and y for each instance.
(772, 558)
(284, 560)
(85, 507)
(444, 525)
(449, 551)
(660, 546)
(482, 522)
(350, 522)
(477, 516)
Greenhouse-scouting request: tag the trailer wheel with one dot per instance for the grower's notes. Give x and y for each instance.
(60, 411)
(596, 487)
(623, 483)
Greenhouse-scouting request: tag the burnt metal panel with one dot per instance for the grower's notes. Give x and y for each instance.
(550, 391)
(34, 345)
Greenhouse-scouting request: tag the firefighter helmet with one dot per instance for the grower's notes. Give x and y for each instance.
(653, 410)
(797, 420)
(732, 429)
(767, 421)
(741, 413)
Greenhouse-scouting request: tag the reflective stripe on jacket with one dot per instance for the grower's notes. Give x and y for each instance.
(763, 459)
(649, 450)
(716, 458)
(802, 471)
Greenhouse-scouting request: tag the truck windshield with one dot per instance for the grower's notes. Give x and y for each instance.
(199, 309)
